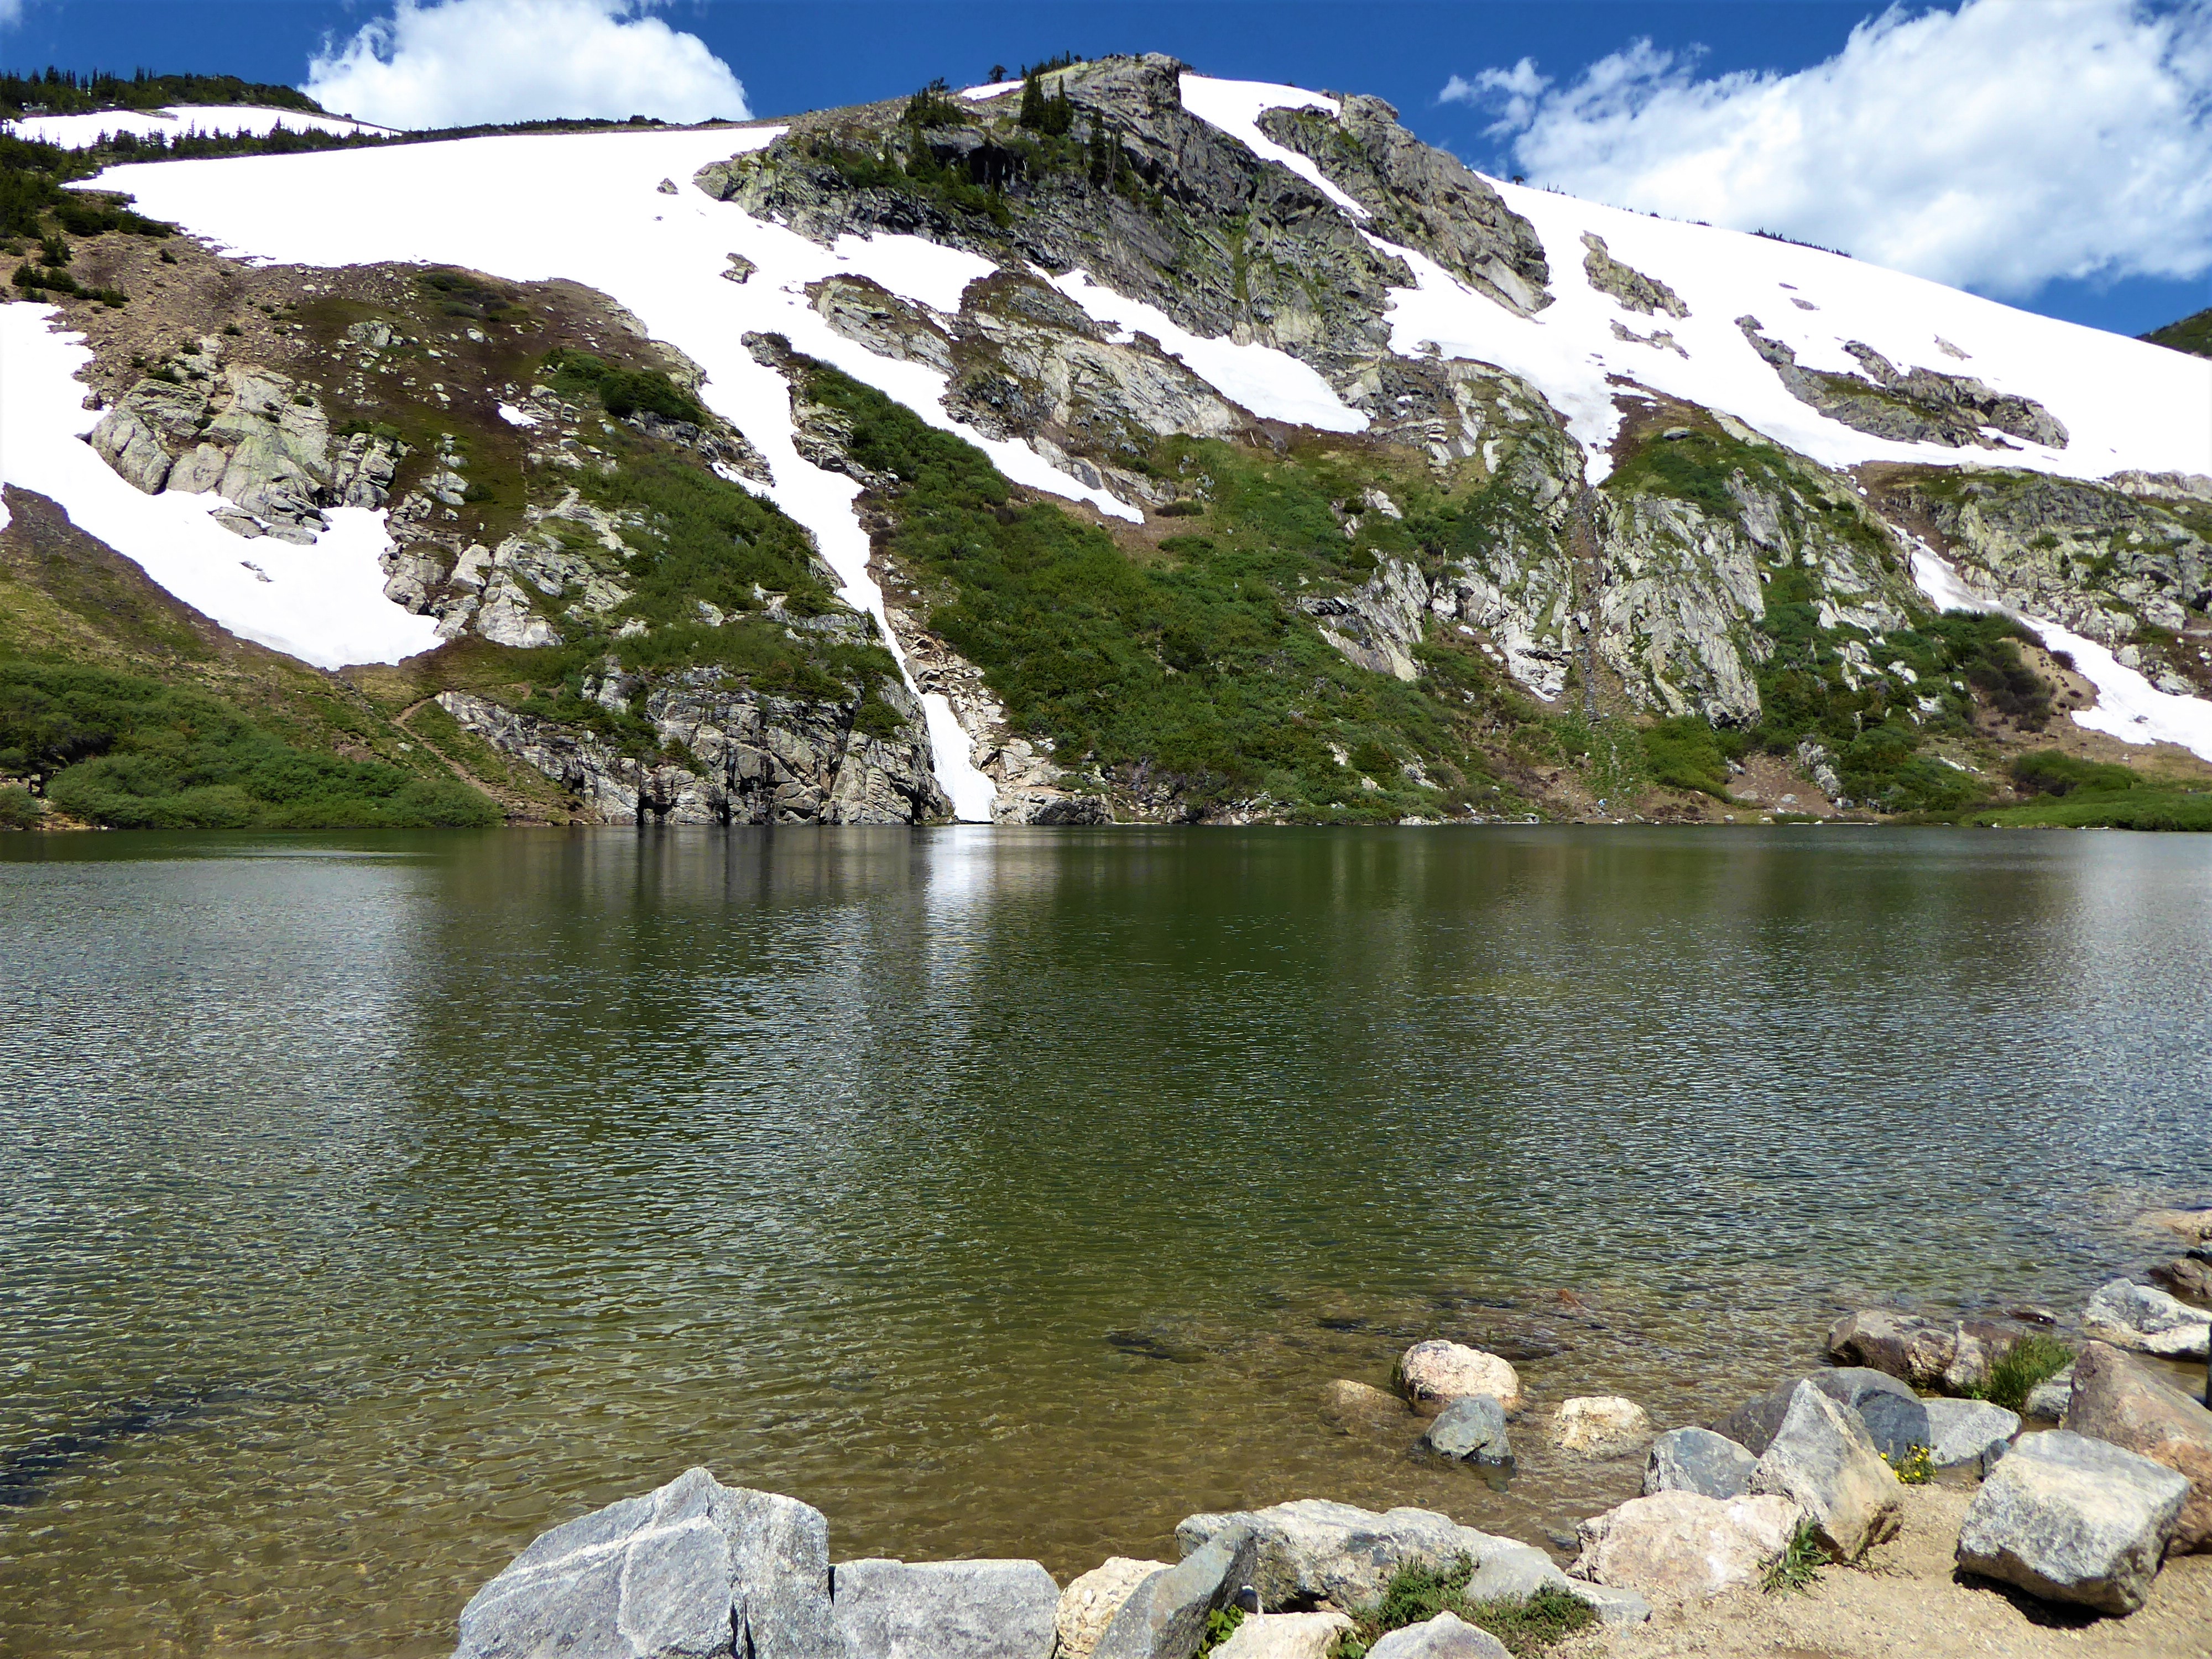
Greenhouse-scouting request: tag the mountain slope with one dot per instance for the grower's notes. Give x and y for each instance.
(1580, 508)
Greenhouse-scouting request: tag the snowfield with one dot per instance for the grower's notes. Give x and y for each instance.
(179, 121)
(324, 605)
(589, 208)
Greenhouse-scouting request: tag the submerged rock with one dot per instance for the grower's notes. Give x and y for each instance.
(1346, 1405)
(2116, 1400)
(1698, 1461)
(1601, 1425)
(1823, 1460)
(944, 1609)
(2073, 1520)
(1680, 1546)
(1472, 1430)
(1438, 1372)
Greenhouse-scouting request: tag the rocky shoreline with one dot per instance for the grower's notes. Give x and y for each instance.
(2096, 1474)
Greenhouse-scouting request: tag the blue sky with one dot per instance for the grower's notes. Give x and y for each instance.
(1760, 111)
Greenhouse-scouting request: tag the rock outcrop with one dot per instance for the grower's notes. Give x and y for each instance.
(2074, 1520)
(1447, 1636)
(256, 438)
(1165, 1617)
(1626, 284)
(1090, 1601)
(746, 757)
(1918, 405)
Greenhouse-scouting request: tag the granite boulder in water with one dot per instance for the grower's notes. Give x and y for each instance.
(1696, 1461)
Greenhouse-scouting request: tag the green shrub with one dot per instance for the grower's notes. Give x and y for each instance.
(137, 754)
(20, 809)
(2015, 1373)
(1686, 753)
(2143, 807)
(621, 392)
(1418, 1593)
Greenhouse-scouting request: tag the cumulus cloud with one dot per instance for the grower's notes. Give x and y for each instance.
(1998, 147)
(12, 11)
(456, 63)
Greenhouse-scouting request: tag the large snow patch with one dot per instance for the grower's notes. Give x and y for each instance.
(323, 603)
(178, 121)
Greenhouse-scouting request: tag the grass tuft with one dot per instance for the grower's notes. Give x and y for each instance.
(1418, 1594)
(2017, 1372)
(1798, 1567)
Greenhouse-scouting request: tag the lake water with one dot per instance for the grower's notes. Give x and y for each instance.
(373, 1202)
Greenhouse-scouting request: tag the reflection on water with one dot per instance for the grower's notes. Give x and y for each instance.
(374, 1202)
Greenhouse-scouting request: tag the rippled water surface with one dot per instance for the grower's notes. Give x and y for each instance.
(368, 1204)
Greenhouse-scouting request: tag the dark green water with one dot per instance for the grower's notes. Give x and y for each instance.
(372, 1203)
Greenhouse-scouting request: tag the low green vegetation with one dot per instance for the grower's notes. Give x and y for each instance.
(20, 809)
(1916, 1469)
(1221, 1624)
(113, 749)
(2072, 794)
(623, 392)
(1193, 672)
(64, 91)
(2017, 1372)
(1418, 1594)
(1798, 1567)
(2192, 334)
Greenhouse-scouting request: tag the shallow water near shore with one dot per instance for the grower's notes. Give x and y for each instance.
(374, 1202)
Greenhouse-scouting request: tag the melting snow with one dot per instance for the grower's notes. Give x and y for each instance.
(200, 120)
(1236, 108)
(1271, 384)
(2128, 707)
(324, 603)
(514, 417)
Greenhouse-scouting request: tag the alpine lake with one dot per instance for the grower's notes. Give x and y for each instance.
(374, 1202)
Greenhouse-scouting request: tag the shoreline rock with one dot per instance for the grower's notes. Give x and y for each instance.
(1437, 1372)
(1823, 1460)
(2118, 1402)
(2074, 1520)
(1679, 1546)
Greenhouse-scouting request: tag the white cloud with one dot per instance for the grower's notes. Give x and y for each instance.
(12, 11)
(457, 63)
(1998, 147)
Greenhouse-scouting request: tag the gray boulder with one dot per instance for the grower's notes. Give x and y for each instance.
(1472, 1430)
(1823, 1461)
(2148, 1320)
(1165, 1618)
(1950, 1356)
(694, 1571)
(945, 1609)
(2047, 1400)
(1447, 1636)
(2075, 1520)
(2117, 1400)
(1968, 1434)
(1698, 1461)
(1753, 1423)
(1898, 1423)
